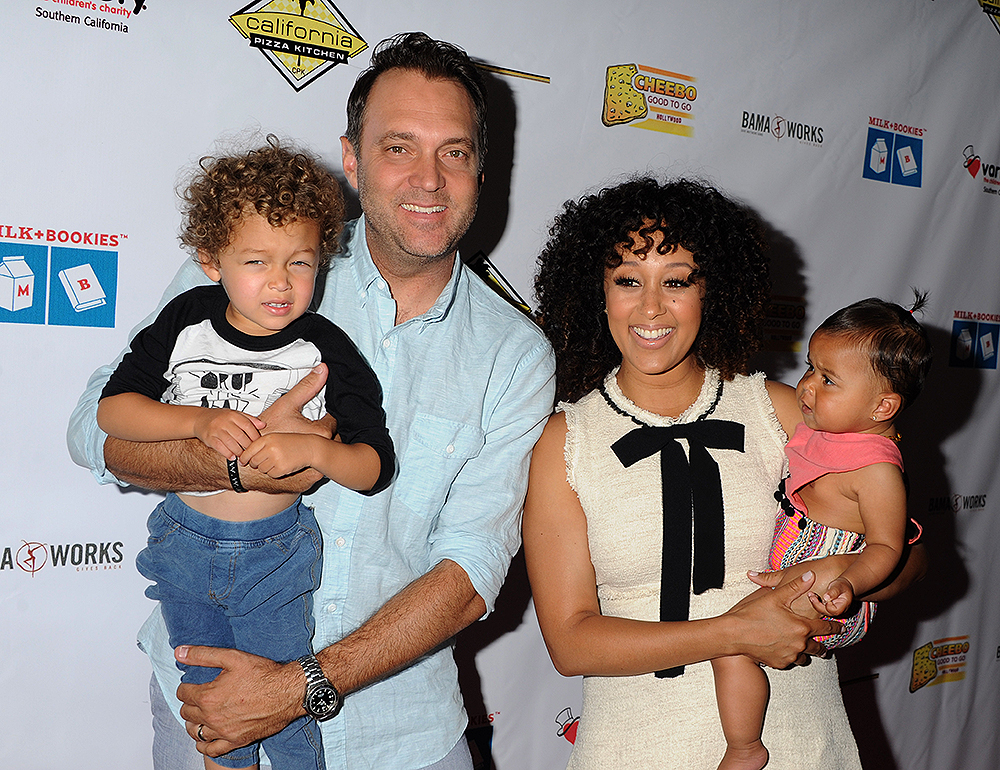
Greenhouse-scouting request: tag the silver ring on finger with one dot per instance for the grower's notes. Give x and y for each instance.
(201, 735)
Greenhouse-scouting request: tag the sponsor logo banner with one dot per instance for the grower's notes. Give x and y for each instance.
(974, 340)
(940, 661)
(32, 557)
(303, 39)
(894, 153)
(779, 127)
(61, 285)
(650, 98)
(989, 173)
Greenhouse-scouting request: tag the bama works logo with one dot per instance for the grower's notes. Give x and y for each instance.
(32, 557)
(303, 39)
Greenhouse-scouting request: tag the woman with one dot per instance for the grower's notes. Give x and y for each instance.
(652, 296)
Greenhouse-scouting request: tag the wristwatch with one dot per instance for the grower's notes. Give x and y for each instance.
(322, 701)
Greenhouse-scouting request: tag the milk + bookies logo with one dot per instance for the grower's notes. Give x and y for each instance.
(894, 153)
(58, 277)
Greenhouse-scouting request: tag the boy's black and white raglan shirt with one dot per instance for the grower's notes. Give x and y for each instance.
(191, 355)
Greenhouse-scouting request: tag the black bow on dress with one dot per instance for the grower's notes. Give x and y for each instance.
(694, 485)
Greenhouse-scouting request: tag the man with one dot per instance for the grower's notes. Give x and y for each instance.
(467, 384)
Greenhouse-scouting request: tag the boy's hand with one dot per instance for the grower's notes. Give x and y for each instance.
(280, 454)
(227, 431)
(839, 595)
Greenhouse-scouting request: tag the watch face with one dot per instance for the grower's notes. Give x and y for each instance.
(323, 701)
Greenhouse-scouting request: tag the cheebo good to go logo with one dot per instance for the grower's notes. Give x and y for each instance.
(303, 39)
(650, 98)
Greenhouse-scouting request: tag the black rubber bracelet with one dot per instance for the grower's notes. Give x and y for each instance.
(234, 475)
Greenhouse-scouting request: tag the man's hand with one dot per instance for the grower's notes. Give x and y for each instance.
(772, 633)
(252, 698)
(285, 414)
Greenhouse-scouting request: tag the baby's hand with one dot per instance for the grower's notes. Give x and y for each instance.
(226, 431)
(279, 454)
(839, 595)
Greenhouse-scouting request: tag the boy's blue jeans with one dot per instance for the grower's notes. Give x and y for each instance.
(246, 585)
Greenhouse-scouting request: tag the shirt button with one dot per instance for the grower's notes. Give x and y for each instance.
(386, 344)
(450, 448)
(331, 608)
(381, 284)
(340, 542)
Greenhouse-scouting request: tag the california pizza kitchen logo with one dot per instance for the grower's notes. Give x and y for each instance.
(303, 39)
(990, 171)
(32, 557)
(780, 127)
(992, 9)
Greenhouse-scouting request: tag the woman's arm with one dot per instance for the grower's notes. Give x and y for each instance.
(581, 640)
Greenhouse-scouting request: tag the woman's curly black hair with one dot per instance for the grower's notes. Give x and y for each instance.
(724, 237)
(280, 183)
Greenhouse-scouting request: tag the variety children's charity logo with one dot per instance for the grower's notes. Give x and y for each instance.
(303, 39)
(894, 153)
(974, 340)
(69, 12)
(568, 724)
(938, 662)
(32, 557)
(956, 503)
(649, 98)
(43, 282)
(779, 127)
(990, 171)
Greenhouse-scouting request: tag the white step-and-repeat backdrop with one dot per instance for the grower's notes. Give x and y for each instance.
(867, 135)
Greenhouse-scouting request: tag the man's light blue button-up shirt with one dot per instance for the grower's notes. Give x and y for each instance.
(467, 387)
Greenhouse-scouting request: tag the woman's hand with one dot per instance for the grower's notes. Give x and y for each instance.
(769, 631)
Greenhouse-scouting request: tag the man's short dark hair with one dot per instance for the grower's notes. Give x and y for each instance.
(436, 60)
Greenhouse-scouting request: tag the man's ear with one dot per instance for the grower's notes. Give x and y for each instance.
(209, 265)
(350, 160)
(888, 406)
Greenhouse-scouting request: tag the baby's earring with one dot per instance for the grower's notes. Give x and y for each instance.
(875, 417)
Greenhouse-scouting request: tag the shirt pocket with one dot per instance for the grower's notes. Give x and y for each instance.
(438, 449)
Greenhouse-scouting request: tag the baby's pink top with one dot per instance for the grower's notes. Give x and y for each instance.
(814, 453)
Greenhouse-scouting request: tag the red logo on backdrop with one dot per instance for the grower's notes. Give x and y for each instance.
(567, 724)
(31, 557)
(972, 161)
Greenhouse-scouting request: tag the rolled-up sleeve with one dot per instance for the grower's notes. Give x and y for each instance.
(479, 526)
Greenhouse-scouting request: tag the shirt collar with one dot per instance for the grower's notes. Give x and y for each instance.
(366, 274)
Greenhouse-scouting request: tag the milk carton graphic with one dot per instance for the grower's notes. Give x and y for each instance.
(17, 284)
(963, 345)
(878, 156)
(82, 287)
